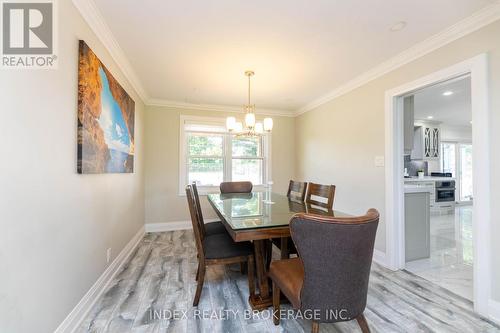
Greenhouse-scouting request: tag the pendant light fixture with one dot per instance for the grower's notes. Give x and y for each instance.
(251, 126)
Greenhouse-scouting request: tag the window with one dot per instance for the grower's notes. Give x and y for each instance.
(448, 159)
(210, 156)
(247, 159)
(205, 160)
(457, 159)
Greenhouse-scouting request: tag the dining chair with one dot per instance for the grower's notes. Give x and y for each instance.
(206, 228)
(285, 244)
(330, 276)
(236, 187)
(324, 191)
(217, 249)
(296, 191)
(296, 194)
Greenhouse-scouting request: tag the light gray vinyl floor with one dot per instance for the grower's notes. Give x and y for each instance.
(155, 289)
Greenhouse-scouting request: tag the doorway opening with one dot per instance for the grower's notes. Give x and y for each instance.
(438, 202)
(477, 69)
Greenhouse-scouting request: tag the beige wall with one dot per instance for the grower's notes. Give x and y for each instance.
(338, 141)
(163, 202)
(56, 224)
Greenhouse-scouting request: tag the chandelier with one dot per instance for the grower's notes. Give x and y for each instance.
(252, 127)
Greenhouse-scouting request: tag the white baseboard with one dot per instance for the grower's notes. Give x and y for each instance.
(380, 258)
(494, 311)
(172, 226)
(168, 226)
(74, 319)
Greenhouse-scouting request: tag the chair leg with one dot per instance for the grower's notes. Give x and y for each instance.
(199, 287)
(198, 271)
(285, 253)
(315, 327)
(251, 275)
(276, 304)
(363, 324)
(242, 268)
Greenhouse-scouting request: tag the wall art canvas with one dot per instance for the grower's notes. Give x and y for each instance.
(105, 119)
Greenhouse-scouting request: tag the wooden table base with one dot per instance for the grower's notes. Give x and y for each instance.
(258, 303)
(263, 254)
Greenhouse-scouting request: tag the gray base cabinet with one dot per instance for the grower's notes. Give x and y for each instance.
(417, 226)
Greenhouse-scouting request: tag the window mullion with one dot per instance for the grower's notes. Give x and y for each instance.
(228, 163)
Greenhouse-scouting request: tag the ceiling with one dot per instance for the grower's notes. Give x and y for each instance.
(197, 51)
(452, 110)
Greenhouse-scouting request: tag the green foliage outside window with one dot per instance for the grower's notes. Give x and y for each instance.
(206, 158)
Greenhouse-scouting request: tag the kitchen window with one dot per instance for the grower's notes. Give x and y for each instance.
(456, 158)
(210, 155)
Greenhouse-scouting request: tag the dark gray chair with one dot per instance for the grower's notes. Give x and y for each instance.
(331, 275)
(236, 187)
(210, 228)
(217, 249)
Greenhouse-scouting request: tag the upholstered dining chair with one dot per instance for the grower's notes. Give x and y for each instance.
(296, 191)
(236, 187)
(285, 244)
(324, 191)
(217, 249)
(210, 228)
(330, 276)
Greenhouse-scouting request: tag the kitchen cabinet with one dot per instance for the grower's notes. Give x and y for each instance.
(409, 119)
(426, 142)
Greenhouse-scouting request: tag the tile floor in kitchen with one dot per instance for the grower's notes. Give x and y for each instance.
(450, 264)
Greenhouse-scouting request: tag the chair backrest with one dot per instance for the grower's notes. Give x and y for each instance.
(324, 191)
(198, 234)
(197, 203)
(236, 187)
(337, 255)
(296, 190)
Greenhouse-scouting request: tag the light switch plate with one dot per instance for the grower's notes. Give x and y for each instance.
(379, 161)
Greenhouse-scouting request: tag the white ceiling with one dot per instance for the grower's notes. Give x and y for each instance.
(195, 51)
(453, 110)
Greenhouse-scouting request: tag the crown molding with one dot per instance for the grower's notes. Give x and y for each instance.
(215, 108)
(94, 19)
(478, 20)
(468, 25)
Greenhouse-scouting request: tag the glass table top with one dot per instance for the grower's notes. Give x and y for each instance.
(262, 209)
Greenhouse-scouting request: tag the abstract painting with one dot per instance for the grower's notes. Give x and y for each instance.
(105, 119)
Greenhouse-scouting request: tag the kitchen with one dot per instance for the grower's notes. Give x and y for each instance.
(438, 185)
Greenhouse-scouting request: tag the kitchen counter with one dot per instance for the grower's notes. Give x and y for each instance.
(418, 189)
(428, 179)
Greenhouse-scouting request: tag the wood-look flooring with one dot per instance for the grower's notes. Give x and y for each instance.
(158, 281)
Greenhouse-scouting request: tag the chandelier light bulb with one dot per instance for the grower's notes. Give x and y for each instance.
(268, 124)
(250, 120)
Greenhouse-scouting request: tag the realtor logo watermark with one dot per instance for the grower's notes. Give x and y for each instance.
(28, 34)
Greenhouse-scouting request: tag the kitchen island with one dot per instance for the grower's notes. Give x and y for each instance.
(417, 221)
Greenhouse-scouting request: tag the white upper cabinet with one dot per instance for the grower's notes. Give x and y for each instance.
(427, 142)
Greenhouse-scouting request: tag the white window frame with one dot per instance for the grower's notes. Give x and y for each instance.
(458, 168)
(227, 156)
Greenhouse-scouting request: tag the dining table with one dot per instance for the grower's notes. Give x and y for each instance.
(259, 217)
